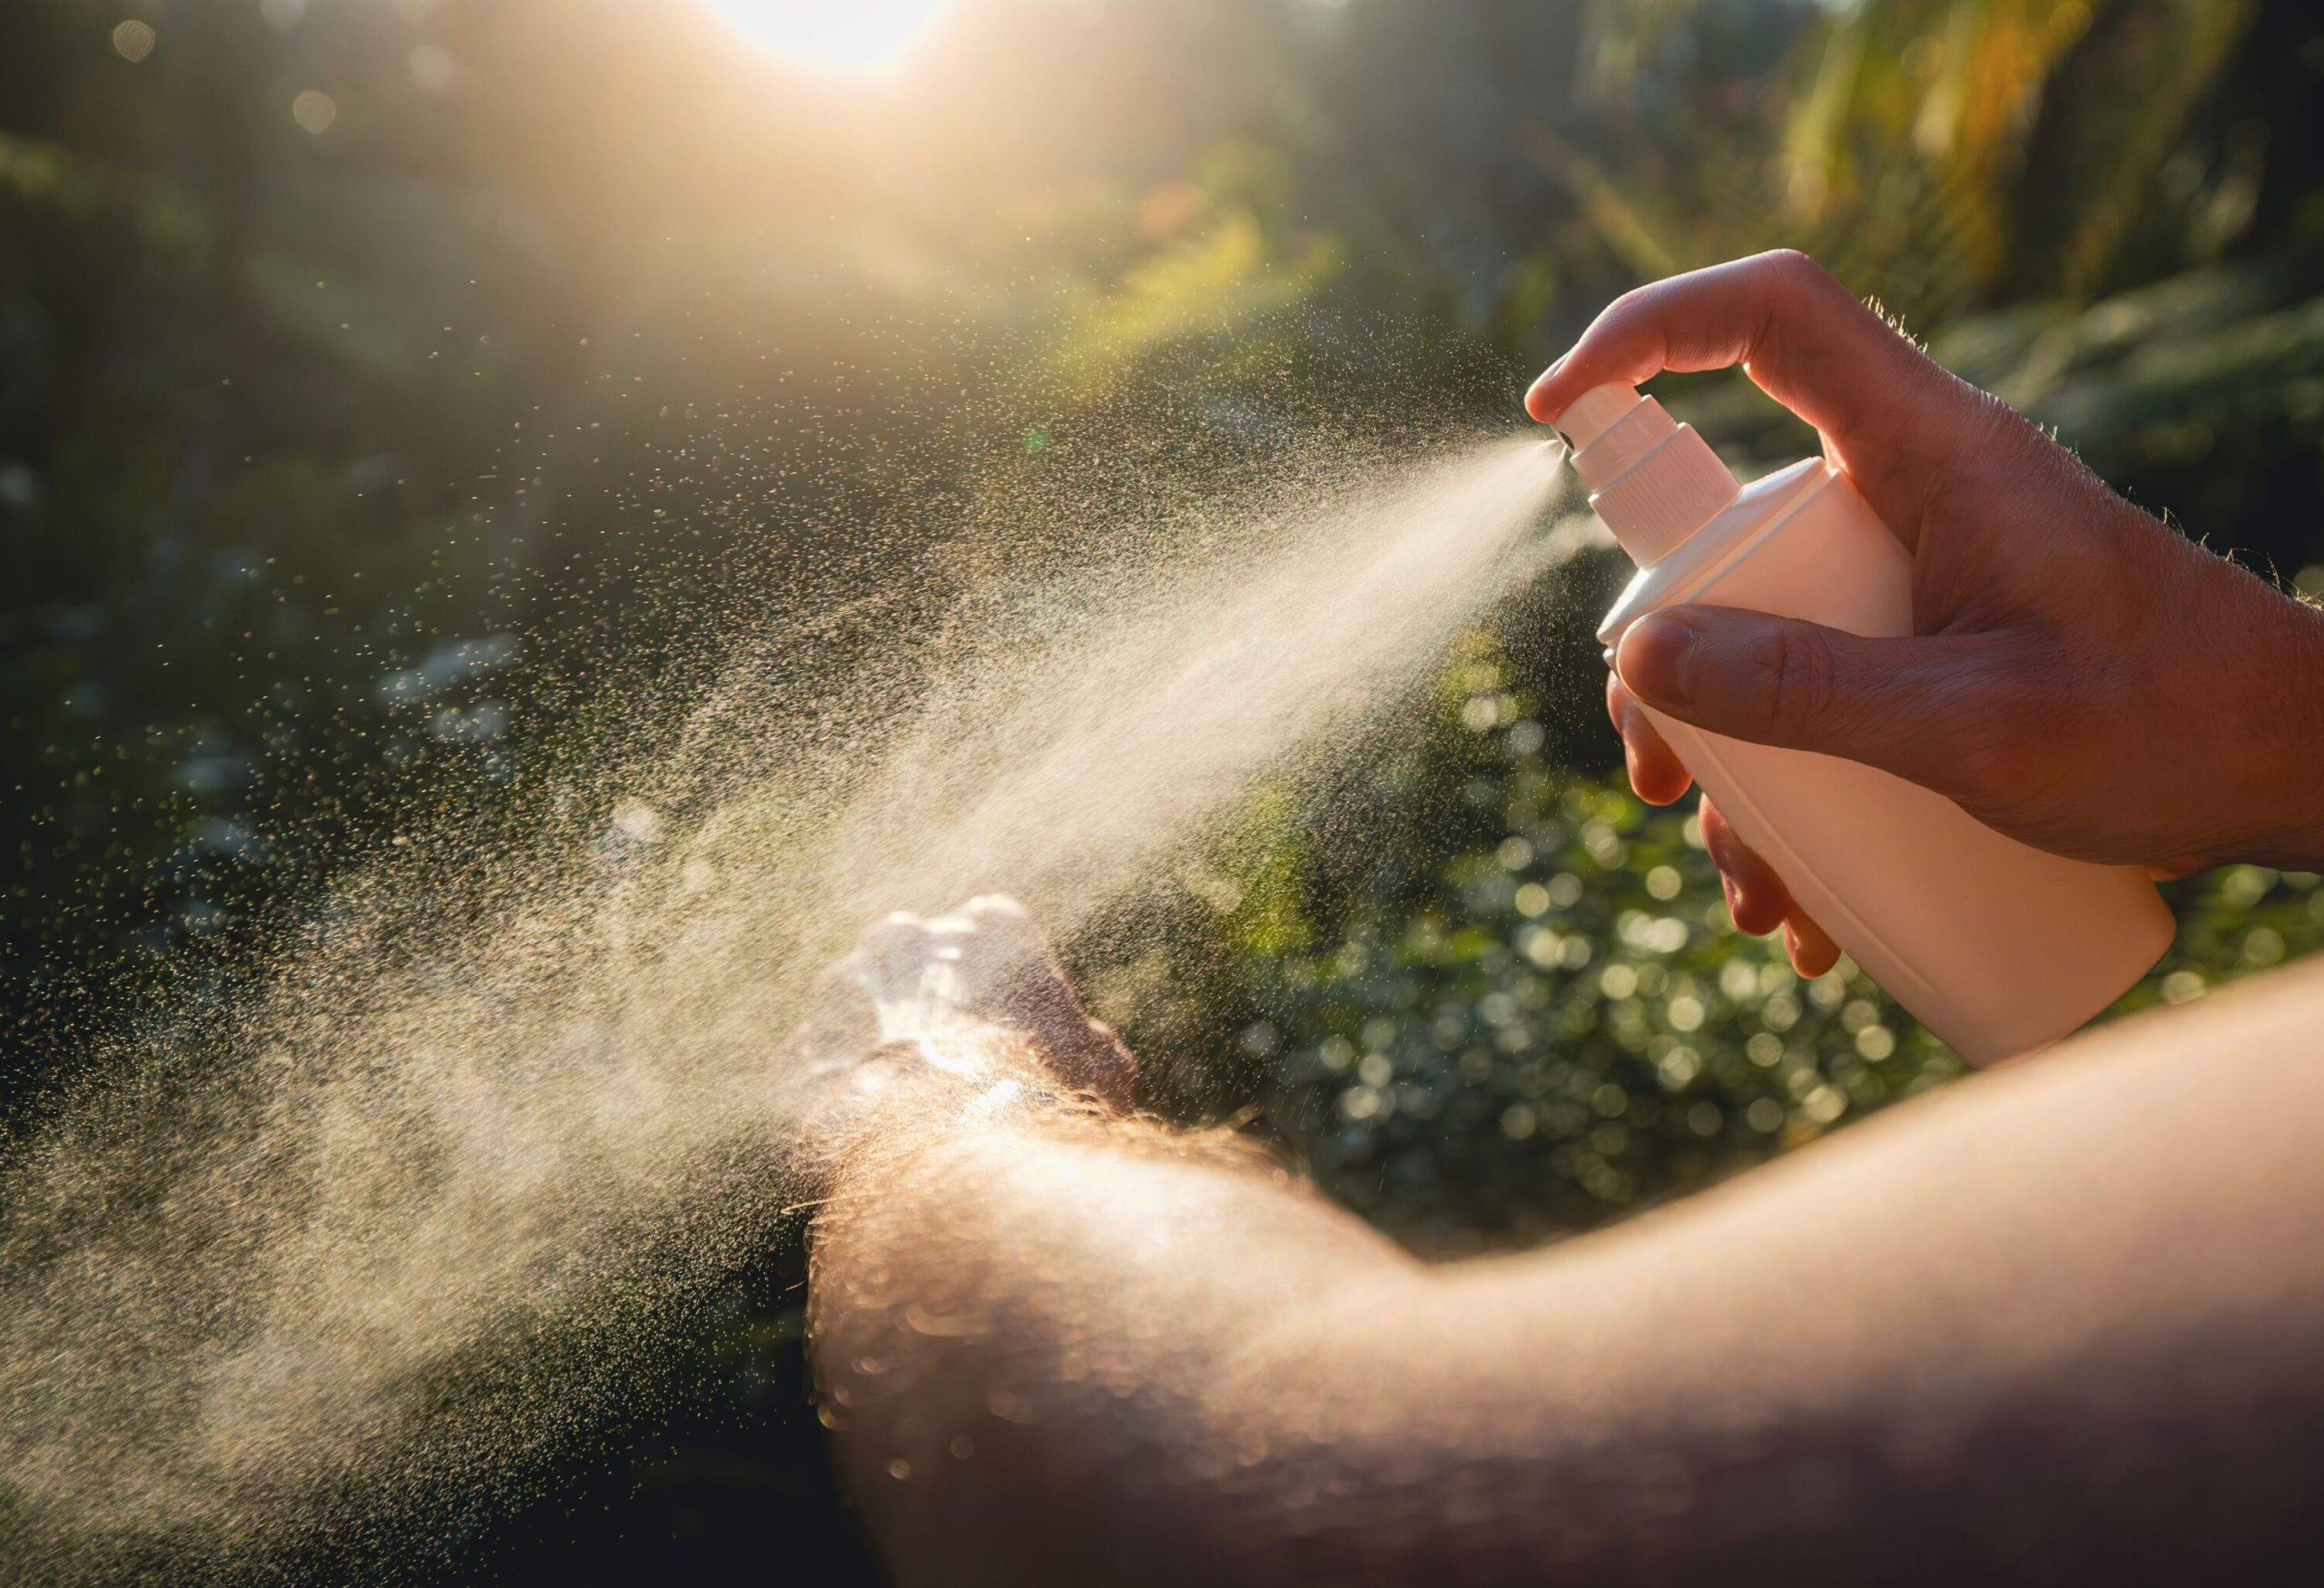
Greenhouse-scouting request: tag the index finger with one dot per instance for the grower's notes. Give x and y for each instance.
(1798, 332)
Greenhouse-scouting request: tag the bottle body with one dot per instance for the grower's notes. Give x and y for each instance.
(1997, 947)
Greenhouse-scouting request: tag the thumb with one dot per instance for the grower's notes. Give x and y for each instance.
(1899, 704)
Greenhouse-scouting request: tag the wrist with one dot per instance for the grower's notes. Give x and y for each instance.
(897, 1107)
(2290, 743)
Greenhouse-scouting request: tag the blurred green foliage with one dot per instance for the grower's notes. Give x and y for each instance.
(378, 466)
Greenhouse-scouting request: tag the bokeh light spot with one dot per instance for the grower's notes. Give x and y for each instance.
(133, 40)
(315, 111)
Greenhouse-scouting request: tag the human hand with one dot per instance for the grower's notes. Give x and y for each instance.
(927, 1017)
(2079, 677)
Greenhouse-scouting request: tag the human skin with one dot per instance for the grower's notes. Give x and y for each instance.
(2080, 677)
(2055, 1323)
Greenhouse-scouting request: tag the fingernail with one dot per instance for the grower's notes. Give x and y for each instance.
(1653, 658)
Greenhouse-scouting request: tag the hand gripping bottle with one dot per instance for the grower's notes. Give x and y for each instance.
(1997, 947)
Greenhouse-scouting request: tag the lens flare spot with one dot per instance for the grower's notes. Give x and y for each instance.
(838, 35)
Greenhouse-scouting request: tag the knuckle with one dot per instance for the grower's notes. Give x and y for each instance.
(1791, 263)
(1799, 681)
(1793, 275)
(1628, 316)
(1637, 299)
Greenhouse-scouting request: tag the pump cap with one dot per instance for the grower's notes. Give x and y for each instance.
(1654, 482)
(1594, 412)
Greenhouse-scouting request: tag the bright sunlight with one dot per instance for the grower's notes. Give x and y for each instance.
(844, 36)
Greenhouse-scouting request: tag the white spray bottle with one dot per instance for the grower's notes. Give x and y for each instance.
(1997, 947)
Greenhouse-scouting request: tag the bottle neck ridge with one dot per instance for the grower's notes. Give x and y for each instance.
(1653, 481)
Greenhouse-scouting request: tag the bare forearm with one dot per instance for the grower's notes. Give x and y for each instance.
(1020, 1330)
(2060, 1325)
(2057, 1321)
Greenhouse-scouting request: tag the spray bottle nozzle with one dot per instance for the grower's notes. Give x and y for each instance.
(1594, 412)
(1653, 481)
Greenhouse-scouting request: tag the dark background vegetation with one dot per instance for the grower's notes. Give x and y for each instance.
(388, 385)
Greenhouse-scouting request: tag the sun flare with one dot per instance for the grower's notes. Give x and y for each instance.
(839, 35)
